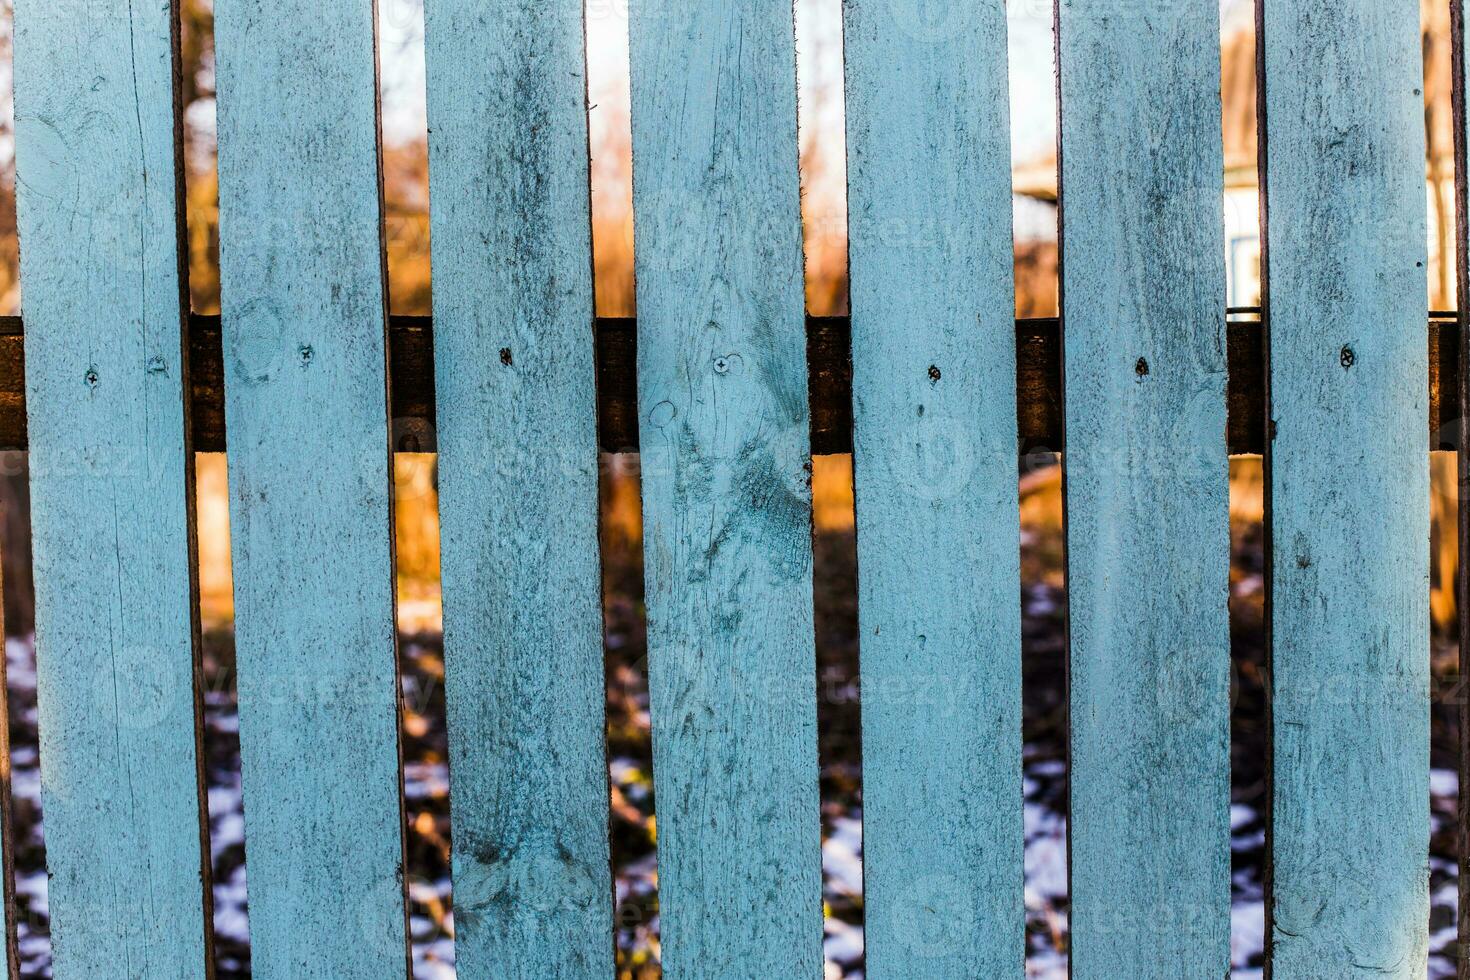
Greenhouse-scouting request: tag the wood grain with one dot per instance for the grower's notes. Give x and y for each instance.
(111, 471)
(1147, 497)
(518, 485)
(303, 293)
(1347, 485)
(726, 488)
(938, 523)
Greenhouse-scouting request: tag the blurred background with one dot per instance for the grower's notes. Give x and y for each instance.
(1042, 588)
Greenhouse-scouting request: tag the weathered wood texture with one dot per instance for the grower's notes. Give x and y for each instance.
(726, 487)
(1148, 537)
(518, 483)
(938, 523)
(100, 223)
(303, 291)
(1038, 385)
(1348, 486)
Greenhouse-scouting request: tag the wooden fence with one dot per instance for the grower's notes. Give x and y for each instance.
(727, 390)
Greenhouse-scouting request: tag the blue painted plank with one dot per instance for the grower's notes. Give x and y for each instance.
(934, 393)
(1348, 486)
(111, 471)
(726, 487)
(1148, 537)
(518, 478)
(303, 293)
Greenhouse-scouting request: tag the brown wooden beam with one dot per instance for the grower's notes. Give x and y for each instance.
(1038, 384)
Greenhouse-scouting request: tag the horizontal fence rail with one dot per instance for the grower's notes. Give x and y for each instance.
(1038, 383)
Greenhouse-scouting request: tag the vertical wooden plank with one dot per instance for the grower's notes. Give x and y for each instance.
(934, 395)
(1148, 537)
(1348, 485)
(111, 469)
(518, 498)
(304, 300)
(726, 487)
